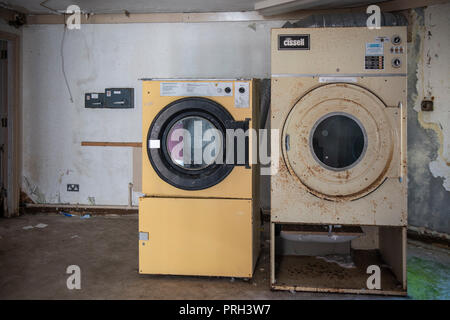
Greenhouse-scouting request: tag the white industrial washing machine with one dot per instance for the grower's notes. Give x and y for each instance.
(339, 103)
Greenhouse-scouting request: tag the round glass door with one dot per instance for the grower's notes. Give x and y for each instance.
(191, 154)
(338, 141)
(188, 145)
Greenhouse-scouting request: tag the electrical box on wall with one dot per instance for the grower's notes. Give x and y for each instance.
(119, 98)
(94, 100)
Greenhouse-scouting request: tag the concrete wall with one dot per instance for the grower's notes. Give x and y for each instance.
(429, 132)
(101, 56)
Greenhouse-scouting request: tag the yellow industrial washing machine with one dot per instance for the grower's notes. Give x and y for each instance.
(198, 217)
(339, 101)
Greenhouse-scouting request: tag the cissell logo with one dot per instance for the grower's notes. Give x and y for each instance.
(288, 42)
(293, 42)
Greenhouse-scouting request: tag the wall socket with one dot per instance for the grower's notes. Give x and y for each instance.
(73, 187)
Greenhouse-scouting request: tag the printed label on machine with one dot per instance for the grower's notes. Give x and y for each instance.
(154, 144)
(293, 42)
(198, 89)
(241, 94)
(337, 79)
(374, 49)
(374, 57)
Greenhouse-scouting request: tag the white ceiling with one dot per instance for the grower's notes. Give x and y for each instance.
(147, 6)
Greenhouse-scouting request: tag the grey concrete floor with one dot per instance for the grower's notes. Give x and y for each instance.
(33, 264)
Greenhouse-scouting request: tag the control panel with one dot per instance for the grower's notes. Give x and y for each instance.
(374, 63)
(239, 89)
(375, 53)
(196, 88)
(397, 50)
(339, 51)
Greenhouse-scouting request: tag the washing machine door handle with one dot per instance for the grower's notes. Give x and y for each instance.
(238, 142)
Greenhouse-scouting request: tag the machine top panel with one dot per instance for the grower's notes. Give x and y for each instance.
(339, 51)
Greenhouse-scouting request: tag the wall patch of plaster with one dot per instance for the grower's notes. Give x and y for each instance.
(441, 169)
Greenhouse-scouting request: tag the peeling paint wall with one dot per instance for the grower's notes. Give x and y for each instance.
(429, 131)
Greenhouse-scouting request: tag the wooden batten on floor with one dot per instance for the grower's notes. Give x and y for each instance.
(78, 210)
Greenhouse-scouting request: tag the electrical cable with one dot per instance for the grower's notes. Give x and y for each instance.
(62, 63)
